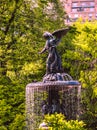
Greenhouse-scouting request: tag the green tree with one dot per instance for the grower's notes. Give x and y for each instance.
(86, 44)
(22, 23)
(80, 60)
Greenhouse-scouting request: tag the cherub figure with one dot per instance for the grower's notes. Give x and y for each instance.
(53, 64)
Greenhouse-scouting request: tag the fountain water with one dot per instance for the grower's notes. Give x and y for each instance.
(48, 98)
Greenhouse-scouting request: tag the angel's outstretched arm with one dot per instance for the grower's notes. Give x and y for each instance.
(44, 49)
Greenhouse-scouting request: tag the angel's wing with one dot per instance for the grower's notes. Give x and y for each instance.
(60, 33)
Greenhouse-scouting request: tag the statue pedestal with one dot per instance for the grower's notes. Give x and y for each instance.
(50, 97)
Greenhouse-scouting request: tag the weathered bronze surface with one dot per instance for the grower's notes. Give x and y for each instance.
(53, 63)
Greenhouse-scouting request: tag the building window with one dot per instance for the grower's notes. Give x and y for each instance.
(85, 9)
(87, 4)
(74, 10)
(76, 15)
(91, 9)
(92, 4)
(74, 4)
(80, 9)
(90, 15)
(83, 4)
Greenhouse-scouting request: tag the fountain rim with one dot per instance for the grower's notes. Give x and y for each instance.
(54, 83)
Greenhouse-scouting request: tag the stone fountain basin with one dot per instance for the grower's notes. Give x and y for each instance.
(59, 85)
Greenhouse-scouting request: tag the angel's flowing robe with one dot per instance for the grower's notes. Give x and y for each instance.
(53, 63)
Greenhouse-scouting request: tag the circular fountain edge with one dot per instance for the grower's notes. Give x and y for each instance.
(54, 83)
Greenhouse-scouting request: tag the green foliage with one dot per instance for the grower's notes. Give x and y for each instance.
(89, 98)
(18, 123)
(22, 23)
(57, 122)
(81, 62)
(11, 103)
(86, 43)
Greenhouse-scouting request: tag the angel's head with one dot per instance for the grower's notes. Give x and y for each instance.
(47, 35)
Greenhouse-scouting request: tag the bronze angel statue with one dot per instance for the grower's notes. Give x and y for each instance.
(53, 64)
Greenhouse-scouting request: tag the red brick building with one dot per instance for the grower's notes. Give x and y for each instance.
(86, 9)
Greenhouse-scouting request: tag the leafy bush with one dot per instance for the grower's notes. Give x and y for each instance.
(58, 122)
